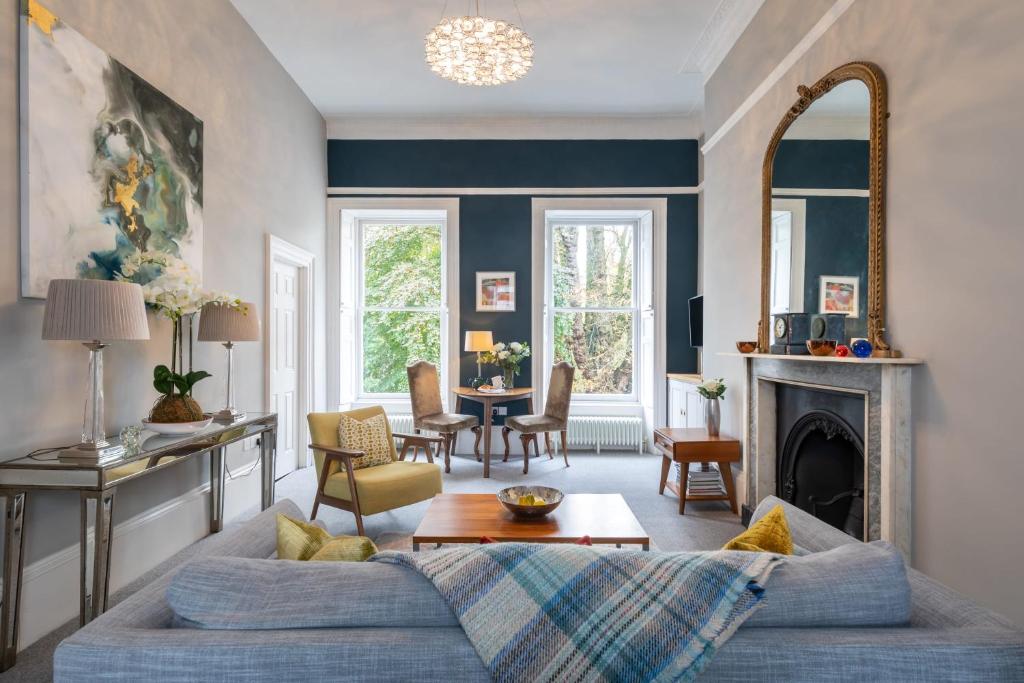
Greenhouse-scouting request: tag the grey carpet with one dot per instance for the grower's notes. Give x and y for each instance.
(705, 525)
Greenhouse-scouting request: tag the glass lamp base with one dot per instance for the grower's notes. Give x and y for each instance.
(97, 452)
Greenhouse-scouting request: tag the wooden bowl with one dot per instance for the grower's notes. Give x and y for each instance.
(746, 346)
(822, 347)
(510, 499)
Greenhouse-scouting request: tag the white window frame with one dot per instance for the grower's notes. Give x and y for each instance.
(653, 212)
(553, 218)
(797, 208)
(345, 293)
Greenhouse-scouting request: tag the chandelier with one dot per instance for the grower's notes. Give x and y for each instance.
(478, 50)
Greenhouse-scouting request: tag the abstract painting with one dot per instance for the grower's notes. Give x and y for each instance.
(496, 291)
(111, 167)
(838, 294)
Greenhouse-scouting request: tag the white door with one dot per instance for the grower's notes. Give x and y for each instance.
(676, 404)
(284, 368)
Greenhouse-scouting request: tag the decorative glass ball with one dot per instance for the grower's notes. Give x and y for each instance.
(861, 348)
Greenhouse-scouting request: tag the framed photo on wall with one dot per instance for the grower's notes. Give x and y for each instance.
(496, 291)
(839, 294)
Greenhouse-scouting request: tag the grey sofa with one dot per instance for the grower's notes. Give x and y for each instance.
(388, 624)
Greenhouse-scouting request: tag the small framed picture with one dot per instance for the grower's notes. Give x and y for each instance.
(496, 291)
(839, 294)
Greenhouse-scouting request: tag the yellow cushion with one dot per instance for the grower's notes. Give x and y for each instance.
(770, 534)
(387, 487)
(323, 429)
(369, 435)
(298, 540)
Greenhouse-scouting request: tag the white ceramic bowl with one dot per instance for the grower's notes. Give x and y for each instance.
(178, 428)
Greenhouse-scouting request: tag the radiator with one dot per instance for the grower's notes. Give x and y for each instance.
(606, 431)
(595, 432)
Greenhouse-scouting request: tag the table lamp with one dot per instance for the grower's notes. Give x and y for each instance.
(479, 341)
(229, 324)
(94, 312)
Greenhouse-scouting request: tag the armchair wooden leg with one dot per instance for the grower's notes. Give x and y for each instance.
(476, 444)
(354, 492)
(547, 445)
(504, 435)
(565, 447)
(320, 488)
(405, 449)
(525, 438)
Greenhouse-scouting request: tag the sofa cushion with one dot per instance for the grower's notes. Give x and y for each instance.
(241, 593)
(299, 540)
(770, 534)
(860, 584)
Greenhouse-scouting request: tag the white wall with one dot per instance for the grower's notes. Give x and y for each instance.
(955, 241)
(265, 170)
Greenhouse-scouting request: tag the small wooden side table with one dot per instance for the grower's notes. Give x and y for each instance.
(687, 446)
(488, 400)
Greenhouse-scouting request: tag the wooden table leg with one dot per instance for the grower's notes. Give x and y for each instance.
(684, 475)
(487, 437)
(666, 465)
(730, 486)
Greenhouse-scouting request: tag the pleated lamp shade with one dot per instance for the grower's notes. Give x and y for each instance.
(94, 310)
(223, 323)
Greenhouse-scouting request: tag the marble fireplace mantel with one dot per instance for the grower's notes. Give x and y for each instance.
(885, 385)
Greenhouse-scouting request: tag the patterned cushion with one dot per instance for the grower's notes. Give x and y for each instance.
(369, 436)
(298, 540)
(770, 534)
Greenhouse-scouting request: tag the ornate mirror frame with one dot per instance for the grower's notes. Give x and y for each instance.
(874, 79)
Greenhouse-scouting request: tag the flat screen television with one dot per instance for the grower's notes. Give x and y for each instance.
(697, 321)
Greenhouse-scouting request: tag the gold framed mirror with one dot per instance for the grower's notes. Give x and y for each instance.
(823, 211)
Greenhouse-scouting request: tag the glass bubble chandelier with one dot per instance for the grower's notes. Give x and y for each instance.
(479, 51)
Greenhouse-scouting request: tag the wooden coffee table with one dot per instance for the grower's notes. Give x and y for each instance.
(466, 517)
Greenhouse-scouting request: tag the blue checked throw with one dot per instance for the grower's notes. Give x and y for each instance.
(555, 612)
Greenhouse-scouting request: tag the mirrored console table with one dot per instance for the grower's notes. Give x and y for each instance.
(96, 485)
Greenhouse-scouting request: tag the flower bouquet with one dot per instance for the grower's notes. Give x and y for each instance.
(507, 357)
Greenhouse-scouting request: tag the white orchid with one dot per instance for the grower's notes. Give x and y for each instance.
(169, 284)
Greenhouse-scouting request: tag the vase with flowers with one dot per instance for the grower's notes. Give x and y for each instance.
(508, 357)
(712, 390)
(171, 287)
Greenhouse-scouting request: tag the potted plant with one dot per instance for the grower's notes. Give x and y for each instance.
(507, 357)
(712, 390)
(170, 286)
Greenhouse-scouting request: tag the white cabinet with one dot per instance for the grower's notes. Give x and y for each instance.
(685, 405)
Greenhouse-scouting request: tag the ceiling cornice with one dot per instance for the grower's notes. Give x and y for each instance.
(719, 35)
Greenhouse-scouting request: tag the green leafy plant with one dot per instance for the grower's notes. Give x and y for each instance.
(166, 381)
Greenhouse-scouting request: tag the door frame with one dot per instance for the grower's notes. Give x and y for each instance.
(282, 251)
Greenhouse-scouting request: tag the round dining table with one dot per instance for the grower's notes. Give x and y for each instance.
(489, 399)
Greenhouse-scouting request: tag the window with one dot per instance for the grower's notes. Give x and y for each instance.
(787, 255)
(393, 297)
(593, 303)
(401, 295)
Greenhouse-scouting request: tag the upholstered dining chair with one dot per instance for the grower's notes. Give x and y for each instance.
(369, 490)
(554, 419)
(428, 411)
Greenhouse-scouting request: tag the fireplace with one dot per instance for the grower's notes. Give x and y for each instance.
(821, 470)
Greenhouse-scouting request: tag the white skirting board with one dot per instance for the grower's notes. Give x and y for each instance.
(50, 585)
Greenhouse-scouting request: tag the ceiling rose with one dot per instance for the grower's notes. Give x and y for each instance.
(478, 50)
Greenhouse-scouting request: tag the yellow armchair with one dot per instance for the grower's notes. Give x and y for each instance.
(369, 490)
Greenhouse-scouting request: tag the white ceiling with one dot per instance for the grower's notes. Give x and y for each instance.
(593, 57)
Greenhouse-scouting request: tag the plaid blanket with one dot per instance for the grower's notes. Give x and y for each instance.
(539, 612)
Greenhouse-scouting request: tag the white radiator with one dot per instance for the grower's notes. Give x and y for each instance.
(595, 432)
(605, 432)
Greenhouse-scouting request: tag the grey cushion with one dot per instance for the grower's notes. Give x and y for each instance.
(863, 584)
(534, 424)
(446, 423)
(241, 593)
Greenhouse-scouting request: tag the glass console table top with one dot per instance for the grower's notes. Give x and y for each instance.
(155, 451)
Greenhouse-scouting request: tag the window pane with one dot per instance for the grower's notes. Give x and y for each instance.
(600, 346)
(592, 265)
(402, 265)
(392, 340)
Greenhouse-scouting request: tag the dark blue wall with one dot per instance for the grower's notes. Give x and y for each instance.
(821, 164)
(495, 231)
(512, 163)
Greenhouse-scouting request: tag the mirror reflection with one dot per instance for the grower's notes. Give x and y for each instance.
(819, 222)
